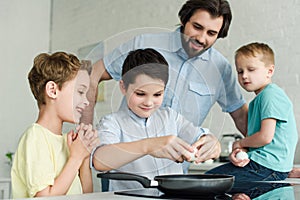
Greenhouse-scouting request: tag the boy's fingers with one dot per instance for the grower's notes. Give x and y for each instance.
(70, 137)
(183, 150)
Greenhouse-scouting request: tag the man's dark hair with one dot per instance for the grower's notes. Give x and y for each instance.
(216, 8)
(144, 61)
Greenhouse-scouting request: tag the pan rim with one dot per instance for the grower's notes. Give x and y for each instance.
(192, 177)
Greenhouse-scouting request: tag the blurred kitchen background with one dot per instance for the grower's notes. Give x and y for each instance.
(29, 27)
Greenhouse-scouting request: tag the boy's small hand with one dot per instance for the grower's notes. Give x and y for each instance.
(76, 146)
(208, 148)
(170, 147)
(71, 136)
(235, 161)
(237, 144)
(89, 136)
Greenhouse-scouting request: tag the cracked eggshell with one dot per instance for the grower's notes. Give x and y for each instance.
(192, 155)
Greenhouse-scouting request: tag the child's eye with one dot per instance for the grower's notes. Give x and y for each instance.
(157, 95)
(239, 71)
(81, 92)
(139, 94)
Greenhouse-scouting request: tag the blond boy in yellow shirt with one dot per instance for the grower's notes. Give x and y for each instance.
(48, 163)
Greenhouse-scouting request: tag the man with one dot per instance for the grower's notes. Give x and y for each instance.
(199, 75)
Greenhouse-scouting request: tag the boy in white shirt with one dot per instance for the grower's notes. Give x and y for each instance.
(139, 137)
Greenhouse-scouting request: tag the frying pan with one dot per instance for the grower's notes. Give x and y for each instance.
(190, 184)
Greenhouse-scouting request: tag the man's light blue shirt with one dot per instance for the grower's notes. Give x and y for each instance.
(125, 126)
(195, 84)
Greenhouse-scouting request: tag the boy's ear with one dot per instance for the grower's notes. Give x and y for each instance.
(271, 71)
(122, 87)
(51, 88)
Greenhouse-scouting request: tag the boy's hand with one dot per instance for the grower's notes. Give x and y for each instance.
(208, 148)
(83, 142)
(237, 144)
(89, 136)
(170, 147)
(235, 161)
(77, 149)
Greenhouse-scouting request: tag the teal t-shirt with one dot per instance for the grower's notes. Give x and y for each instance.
(272, 102)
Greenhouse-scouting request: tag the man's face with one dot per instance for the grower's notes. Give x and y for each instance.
(200, 32)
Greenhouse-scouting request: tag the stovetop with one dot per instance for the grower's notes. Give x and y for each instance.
(259, 190)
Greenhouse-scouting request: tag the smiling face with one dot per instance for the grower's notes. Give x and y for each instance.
(144, 96)
(200, 32)
(72, 98)
(253, 73)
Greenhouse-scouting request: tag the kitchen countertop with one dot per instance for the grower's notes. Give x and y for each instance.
(291, 192)
(90, 196)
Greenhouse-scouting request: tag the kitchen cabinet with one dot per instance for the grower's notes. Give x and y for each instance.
(4, 188)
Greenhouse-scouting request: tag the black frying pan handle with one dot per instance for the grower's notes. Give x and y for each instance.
(126, 176)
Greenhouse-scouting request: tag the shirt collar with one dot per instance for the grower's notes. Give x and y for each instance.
(141, 121)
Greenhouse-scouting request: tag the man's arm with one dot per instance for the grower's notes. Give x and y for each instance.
(240, 117)
(98, 73)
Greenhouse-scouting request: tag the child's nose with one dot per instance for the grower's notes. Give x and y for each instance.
(148, 102)
(86, 101)
(245, 75)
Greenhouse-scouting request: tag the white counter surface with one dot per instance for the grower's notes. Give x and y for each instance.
(90, 196)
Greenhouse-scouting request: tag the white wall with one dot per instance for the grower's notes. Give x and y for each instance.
(24, 33)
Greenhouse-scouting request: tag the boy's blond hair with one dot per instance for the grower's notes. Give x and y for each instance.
(257, 49)
(58, 67)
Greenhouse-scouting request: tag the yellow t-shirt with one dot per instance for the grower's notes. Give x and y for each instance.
(39, 159)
